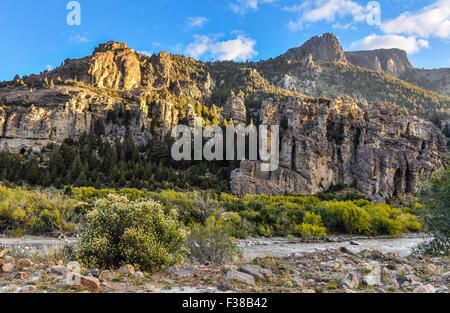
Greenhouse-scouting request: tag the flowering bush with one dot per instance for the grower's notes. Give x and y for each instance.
(119, 231)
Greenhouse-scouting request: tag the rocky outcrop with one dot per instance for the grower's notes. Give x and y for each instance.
(326, 49)
(113, 65)
(379, 151)
(235, 109)
(392, 61)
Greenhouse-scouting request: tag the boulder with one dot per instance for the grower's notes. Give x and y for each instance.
(3, 253)
(73, 279)
(24, 263)
(90, 284)
(351, 281)
(8, 267)
(182, 271)
(127, 270)
(242, 277)
(425, 289)
(59, 270)
(139, 275)
(371, 274)
(74, 267)
(258, 272)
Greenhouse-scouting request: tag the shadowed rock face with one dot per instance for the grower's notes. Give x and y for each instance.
(392, 61)
(379, 151)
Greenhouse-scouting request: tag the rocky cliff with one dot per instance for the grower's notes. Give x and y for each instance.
(378, 150)
(392, 61)
(326, 49)
(116, 92)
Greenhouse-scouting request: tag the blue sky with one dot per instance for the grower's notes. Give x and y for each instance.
(35, 35)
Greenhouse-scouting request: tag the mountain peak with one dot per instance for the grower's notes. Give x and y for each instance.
(110, 46)
(326, 48)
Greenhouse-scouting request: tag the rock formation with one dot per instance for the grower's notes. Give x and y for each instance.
(379, 151)
(326, 48)
(119, 92)
(392, 61)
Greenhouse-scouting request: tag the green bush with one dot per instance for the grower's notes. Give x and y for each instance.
(119, 231)
(312, 226)
(212, 243)
(34, 212)
(434, 199)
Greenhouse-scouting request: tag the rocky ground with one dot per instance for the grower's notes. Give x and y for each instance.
(327, 271)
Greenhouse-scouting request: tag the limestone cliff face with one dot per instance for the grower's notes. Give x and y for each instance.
(378, 151)
(392, 61)
(32, 120)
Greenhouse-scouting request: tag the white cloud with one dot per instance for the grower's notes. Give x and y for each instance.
(78, 39)
(49, 67)
(409, 44)
(242, 6)
(313, 11)
(145, 52)
(239, 49)
(430, 21)
(197, 22)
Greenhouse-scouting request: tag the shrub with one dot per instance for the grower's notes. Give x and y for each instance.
(434, 197)
(312, 226)
(29, 212)
(212, 243)
(119, 231)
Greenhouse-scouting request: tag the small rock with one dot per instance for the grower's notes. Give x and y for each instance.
(3, 253)
(60, 262)
(385, 274)
(150, 288)
(59, 270)
(297, 283)
(394, 285)
(242, 277)
(354, 243)
(258, 272)
(24, 263)
(223, 287)
(90, 284)
(288, 284)
(346, 251)
(182, 271)
(95, 272)
(106, 275)
(74, 267)
(446, 276)
(431, 269)
(73, 279)
(127, 270)
(8, 259)
(425, 289)
(21, 275)
(8, 267)
(351, 281)
(371, 274)
(139, 275)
